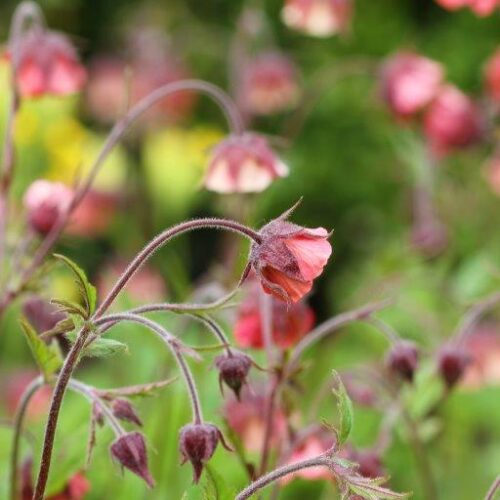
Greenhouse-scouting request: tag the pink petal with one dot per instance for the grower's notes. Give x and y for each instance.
(247, 331)
(31, 80)
(293, 288)
(65, 78)
(311, 254)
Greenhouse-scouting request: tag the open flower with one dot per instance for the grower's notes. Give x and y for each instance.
(289, 258)
(492, 76)
(243, 164)
(479, 7)
(409, 82)
(319, 18)
(48, 65)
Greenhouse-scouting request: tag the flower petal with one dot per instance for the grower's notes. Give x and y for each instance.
(293, 288)
(312, 254)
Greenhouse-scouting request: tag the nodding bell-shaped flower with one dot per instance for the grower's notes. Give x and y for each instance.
(124, 410)
(233, 370)
(47, 65)
(197, 443)
(452, 362)
(289, 258)
(409, 82)
(403, 359)
(45, 202)
(321, 18)
(492, 76)
(243, 164)
(479, 7)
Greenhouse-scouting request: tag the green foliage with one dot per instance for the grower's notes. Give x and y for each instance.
(345, 410)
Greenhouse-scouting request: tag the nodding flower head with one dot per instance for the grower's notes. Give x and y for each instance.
(197, 443)
(47, 65)
(492, 76)
(233, 370)
(45, 202)
(409, 82)
(243, 164)
(403, 359)
(452, 362)
(319, 18)
(289, 258)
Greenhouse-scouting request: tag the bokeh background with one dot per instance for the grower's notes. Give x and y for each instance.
(349, 159)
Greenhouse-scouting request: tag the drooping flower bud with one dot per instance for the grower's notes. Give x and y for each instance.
(409, 82)
(289, 258)
(45, 202)
(403, 359)
(452, 121)
(369, 462)
(123, 409)
(479, 7)
(233, 370)
(492, 76)
(268, 85)
(197, 443)
(452, 362)
(321, 18)
(130, 451)
(41, 314)
(243, 164)
(429, 237)
(48, 65)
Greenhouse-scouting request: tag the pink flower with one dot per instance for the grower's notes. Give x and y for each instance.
(452, 121)
(409, 82)
(268, 85)
(48, 65)
(242, 164)
(429, 237)
(479, 7)
(492, 173)
(76, 488)
(492, 76)
(290, 323)
(45, 202)
(289, 258)
(321, 18)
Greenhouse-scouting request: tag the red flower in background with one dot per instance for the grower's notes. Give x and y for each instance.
(479, 7)
(492, 76)
(48, 65)
(243, 163)
(409, 82)
(452, 121)
(492, 173)
(289, 323)
(319, 18)
(268, 84)
(289, 258)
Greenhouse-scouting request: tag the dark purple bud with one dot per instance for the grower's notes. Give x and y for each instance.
(233, 370)
(130, 451)
(403, 359)
(452, 362)
(41, 314)
(26, 489)
(369, 463)
(97, 414)
(123, 409)
(197, 443)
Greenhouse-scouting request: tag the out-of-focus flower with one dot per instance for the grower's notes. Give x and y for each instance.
(492, 76)
(289, 258)
(452, 363)
(289, 323)
(369, 462)
(268, 84)
(93, 215)
(429, 237)
(41, 314)
(13, 387)
(492, 173)
(479, 7)
(242, 164)
(146, 286)
(402, 359)
(409, 82)
(247, 419)
(483, 348)
(45, 202)
(452, 121)
(312, 447)
(48, 65)
(359, 391)
(321, 18)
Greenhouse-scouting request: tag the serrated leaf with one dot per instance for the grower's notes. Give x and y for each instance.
(104, 348)
(140, 390)
(345, 409)
(371, 489)
(87, 290)
(64, 326)
(47, 356)
(67, 306)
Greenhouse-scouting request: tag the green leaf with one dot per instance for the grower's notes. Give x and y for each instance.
(67, 306)
(345, 409)
(47, 356)
(64, 326)
(135, 390)
(104, 348)
(215, 487)
(87, 290)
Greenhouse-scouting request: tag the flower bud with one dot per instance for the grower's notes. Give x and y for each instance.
(233, 370)
(197, 443)
(41, 314)
(123, 409)
(45, 202)
(452, 362)
(130, 451)
(321, 18)
(452, 121)
(289, 258)
(492, 76)
(409, 82)
(369, 463)
(243, 164)
(48, 64)
(429, 237)
(403, 359)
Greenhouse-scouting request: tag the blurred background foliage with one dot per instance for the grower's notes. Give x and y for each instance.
(345, 161)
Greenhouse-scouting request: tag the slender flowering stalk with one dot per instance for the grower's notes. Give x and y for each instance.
(493, 489)
(215, 329)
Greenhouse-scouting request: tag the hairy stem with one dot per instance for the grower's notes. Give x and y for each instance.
(493, 489)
